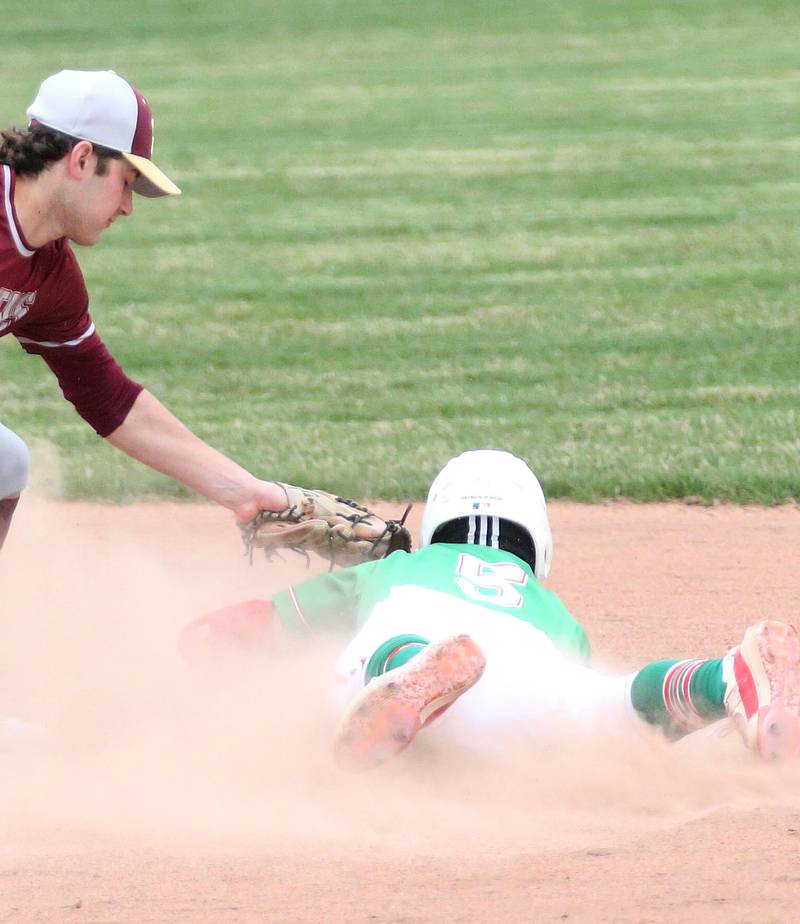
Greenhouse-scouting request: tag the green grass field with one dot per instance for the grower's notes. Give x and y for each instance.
(409, 228)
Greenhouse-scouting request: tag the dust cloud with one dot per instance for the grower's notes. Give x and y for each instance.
(145, 749)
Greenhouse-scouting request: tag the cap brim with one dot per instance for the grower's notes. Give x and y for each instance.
(151, 181)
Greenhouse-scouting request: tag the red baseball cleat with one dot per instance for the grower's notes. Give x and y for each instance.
(763, 692)
(387, 714)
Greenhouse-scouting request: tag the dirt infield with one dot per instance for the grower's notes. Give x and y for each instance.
(163, 796)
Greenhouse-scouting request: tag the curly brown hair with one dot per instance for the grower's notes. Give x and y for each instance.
(30, 151)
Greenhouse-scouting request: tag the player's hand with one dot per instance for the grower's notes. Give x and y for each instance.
(261, 495)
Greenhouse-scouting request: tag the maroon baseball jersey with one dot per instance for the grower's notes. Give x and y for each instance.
(44, 304)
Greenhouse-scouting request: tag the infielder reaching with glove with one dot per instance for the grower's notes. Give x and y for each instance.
(67, 178)
(464, 625)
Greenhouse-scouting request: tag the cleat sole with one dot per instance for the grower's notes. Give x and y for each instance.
(769, 716)
(386, 716)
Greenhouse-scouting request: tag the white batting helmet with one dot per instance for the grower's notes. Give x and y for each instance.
(490, 483)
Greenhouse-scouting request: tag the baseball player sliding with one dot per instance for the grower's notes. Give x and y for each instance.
(65, 178)
(462, 631)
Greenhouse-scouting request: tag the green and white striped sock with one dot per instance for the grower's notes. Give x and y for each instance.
(679, 696)
(393, 653)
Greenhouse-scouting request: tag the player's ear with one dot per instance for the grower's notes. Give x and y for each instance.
(79, 160)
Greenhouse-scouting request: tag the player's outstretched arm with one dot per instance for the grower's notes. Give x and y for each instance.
(153, 435)
(249, 626)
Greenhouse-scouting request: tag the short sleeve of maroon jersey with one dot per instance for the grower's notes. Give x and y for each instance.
(65, 337)
(93, 381)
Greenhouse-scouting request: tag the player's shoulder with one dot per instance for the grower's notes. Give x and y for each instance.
(61, 250)
(64, 273)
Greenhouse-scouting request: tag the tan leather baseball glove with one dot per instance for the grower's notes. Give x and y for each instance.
(340, 530)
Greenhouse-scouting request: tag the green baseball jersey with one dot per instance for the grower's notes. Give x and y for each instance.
(494, 579)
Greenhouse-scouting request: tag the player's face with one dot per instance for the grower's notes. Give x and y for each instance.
(103, 198)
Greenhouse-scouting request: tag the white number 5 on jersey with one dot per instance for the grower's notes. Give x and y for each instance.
(491, 583)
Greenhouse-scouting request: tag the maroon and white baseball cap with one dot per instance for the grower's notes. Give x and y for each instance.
(101, 107)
